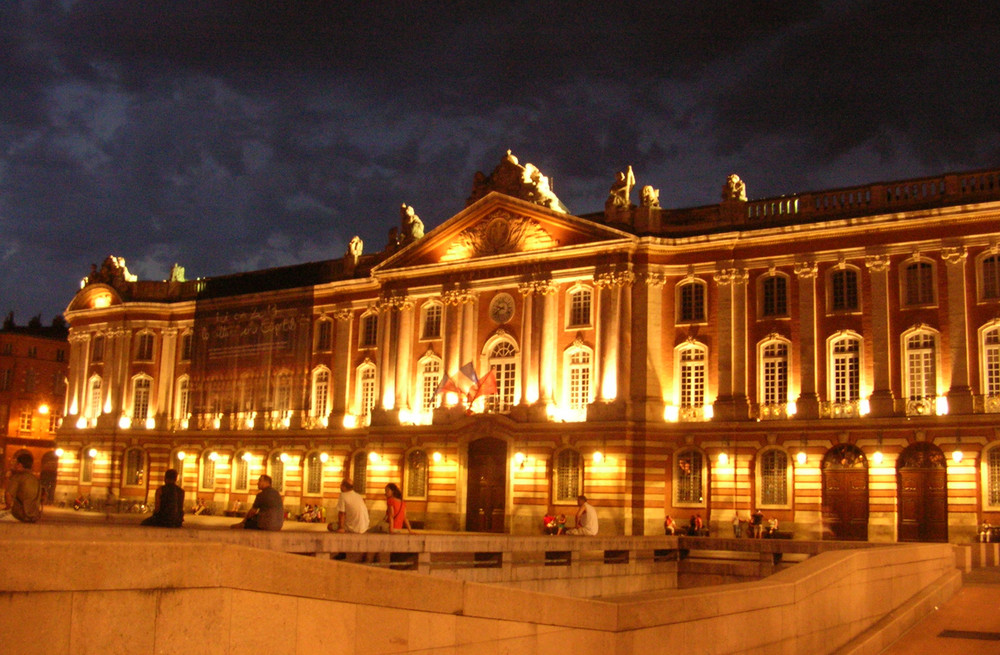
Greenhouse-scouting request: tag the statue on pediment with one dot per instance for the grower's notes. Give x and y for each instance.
(618, 196)
(112, 272)
(734, 189)
(411, 226)
(523, 182)
(176, 273)
(650, 197)
(353, 254)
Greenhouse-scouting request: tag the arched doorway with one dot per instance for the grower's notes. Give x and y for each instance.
(487, 486)
(50, 471)
(845, 494)
(922, 484)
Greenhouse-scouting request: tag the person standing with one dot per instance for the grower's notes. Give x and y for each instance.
(23, 495)
(352, 513)
(757, 524)
(737, 526)
(168, 506)
(586, 518)
(268, 512)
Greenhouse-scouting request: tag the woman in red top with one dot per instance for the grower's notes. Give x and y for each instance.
(395, 509)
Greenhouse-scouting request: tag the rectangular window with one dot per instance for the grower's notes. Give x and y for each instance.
(432, 321)
(86, 468)
(98, 355)
(775, 374)
(186, 342)
(321, 394)
(689, 478)
(775, 300)
(134, 465)
(241, 477)
(140, 399)
(846, 371)
(991, 277)
(6, 379)
(429, 384)
(27, 421)
(579, 308)
(991, 351)
(844, 294)
(993, 477)
(369, 331)
(919, 284)
(29, 381)
(314, 475)
(773, 474)
(921, 376)
(324, 335)
(367, 392)
(693, 302)
(144, 349)
(567, 476)
(692, 378)
(53, 422)
(579, 380)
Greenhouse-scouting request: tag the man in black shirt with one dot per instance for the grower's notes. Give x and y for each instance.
(168, 510)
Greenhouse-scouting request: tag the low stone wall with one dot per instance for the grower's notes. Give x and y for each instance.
(136, 595)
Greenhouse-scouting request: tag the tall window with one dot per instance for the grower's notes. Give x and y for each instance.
(94, 398)
(324, 335)
(846, 378)
(366, 391)
(98, 352)
(208, 470)
(774, 477)
(369, 331)
(283, 393)
(183, 398)
(432, 320)
(568, 472)
(992, 465)
(579, 307)
(844, 290)
(503, 360)
(321, 393)
(140, 398)
(276, 469)
(314, 474)
(416, 474)
(30, 380)
(774, 296)
(692, 367)
(430, 378)
(186, 344)
(921, 370)
(27, 420)
(991, 362)
(359, 469)
(6, 379)
(578, 371)
(135, 466)
(990, 267)
(919, 283)
(692, 302)
(774, 373)
(86, 466)
(144, 347)
(687, 477)
(241, 471)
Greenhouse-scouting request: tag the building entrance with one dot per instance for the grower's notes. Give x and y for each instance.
(922, 483)
(487, 486)
(845, 494)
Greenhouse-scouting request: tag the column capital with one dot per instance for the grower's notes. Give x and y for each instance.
(651, 279)
(343, 314)
(806, 270)
(610, 279)
(733, 276)
(954, 255)
(877, 263)
(457, 297)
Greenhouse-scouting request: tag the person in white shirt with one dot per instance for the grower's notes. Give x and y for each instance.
(586, 518)
(352, 513)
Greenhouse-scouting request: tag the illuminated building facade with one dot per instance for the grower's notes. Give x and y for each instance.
(831, 358)
(33, 365)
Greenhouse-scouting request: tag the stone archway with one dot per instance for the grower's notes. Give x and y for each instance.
(845, 494)
(486, 491)
(922, 486)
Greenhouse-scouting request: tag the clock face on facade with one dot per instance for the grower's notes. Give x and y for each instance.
(502, 307)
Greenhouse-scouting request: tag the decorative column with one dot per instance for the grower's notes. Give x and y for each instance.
(807, 405)
(388, 341)
(608, 327)
(546, 291)
(452, 343)
(529, 372)
(165, 376)
(404, 359)
(79, 362)
(469, 350)
(960, 392)
(732, 403)
(881, 402)
(646, 359)
(340, 379)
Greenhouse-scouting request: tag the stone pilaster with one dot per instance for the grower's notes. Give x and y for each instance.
(646, 359)
(546, 292)
(165, 377)
(529, 373)
(882, 401)
(342, 375)
(732, 402)
(404, 360)
(807, 405)
(959, 392)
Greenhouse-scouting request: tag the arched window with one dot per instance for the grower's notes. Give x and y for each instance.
(369, 331)
(135, 467)
(773, 296)
(503, 360)
(144, 347)
(276, 469)
(844, 290)
(845, 369)
(321, 393)
(568, 470)
(773, 378)
(207, 481)
(241, 471)
(430, 379)
(918, 283)
(366, 392)
(773, 471)
(415, 474)
(87, 457)
(991, 477)
(578, 307)
(141, 387)
(314, 474)
(578, 380)
(359, 471)
(691, 301)
(324, 335)
(692, 364)
(688, 478)
(183, 400)
(94, 398)
(989, 272)
(920, 371)
(990, 338)
(432, 312)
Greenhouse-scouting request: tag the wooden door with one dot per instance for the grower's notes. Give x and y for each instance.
(845, 494)
(922, 483)
(487, 486)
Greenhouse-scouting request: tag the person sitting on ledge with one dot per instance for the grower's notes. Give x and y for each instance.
(985, 532)
(549, 524)
(168, 504)
(669, 525)
(268, 512)
(586, 518)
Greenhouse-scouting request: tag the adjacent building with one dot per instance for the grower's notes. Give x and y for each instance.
(832, 358)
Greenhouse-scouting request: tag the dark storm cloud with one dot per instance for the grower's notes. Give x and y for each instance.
(229, 136)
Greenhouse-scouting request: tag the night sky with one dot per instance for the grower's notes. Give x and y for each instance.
(231, 136)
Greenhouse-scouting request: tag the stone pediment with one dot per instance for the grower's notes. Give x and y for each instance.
(500, 225)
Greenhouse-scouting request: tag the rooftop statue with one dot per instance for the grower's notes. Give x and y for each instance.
(177, 273)
(650, 197)
(112, 272)
(353, 254)
(618, 196)
(410, 224)
(524, 182)
(734, 188)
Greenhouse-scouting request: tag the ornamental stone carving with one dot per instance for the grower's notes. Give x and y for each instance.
(523, 182)
(610, 279)
(806, 270)
(650, 197)
(954, 255)
(410, 225)
(734, 189)
(877, 263)
(499, 234)
(727, 276)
